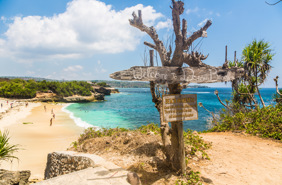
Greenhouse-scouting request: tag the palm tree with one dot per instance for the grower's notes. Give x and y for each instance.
(257, 57)
(7, 150)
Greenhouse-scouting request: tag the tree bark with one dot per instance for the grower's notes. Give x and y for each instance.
(177, 141)
(163, 125)
(263, 104)
(176, 154)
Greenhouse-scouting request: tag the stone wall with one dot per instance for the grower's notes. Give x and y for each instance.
(60, 164)
(14, 177)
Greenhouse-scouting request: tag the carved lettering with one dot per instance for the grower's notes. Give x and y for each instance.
(180, 107)
(179, 75)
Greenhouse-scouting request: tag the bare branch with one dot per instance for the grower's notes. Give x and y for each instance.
(150, 45)
(194, 59)
(203, 57)
(177, 10)
(201, 105)
(184, 29)
(197, 34)
(216, 93)
(138, 23)
(170, 52)
(273, 3)
(276, 83)
(155, 98)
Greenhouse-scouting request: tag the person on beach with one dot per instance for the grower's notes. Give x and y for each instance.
(52, 112)
(51, 121)
(45, 108)
(54, 116)
(1, 105)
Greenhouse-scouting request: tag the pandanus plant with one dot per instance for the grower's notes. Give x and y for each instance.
(6, 149)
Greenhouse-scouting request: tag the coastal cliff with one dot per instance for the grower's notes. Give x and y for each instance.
(44, 91)
(50, 97)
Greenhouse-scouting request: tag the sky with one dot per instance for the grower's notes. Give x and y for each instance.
(90, 39)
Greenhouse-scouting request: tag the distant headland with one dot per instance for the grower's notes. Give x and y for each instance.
(44, 90)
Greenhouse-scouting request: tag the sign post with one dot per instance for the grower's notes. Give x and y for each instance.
(176, 108)
(180, 107)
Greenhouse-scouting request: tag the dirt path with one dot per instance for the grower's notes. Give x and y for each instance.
(238, 159)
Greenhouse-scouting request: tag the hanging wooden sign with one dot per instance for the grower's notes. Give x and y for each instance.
(178, 75)
(180, 107)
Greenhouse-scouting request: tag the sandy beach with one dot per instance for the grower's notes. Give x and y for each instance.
(38, 139)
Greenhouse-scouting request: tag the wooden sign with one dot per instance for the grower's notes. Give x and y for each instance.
(180, 107)
(178, 75)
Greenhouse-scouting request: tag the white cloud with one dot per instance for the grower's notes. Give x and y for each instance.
(99, 68)
(195, 10)
(85, 28)
(217, 14)
(203, 22)
(73, 68)
(30, 72)
(164, 24)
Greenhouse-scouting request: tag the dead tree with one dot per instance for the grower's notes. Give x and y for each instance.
(173, 142)
(273, 3)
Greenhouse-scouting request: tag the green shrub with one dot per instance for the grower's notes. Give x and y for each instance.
(265, 122)
(150, 127)
(7, 150)
(103, 132)
(191, 178)
(196, 142)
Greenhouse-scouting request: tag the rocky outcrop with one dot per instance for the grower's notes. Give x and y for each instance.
(45, 97)
(78, 99)
(60, 164)
(52, 97)
(99, 96)
(14, 177)
(101, 90)
(113, 90)
(105, 90)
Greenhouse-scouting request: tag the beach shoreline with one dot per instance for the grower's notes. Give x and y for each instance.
(37, 138)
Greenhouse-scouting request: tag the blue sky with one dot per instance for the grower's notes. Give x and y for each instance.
(90, 39)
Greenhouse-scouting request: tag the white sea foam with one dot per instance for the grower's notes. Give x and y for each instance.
(77, 120)
(198, 92)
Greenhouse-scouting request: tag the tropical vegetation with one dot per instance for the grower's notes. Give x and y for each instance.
(6, 149)
(18, 88)
(245, 112)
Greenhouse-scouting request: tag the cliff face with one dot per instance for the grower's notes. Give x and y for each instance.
(104, 90)
(98, 94)
(101, 90)
(47, 97)
(112, 90)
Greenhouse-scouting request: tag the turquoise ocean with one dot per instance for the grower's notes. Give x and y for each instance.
(133, 107)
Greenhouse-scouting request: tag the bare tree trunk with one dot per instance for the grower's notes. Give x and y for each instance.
(177, 141)
(163, 125)
(165, 133)
(263, 104)
(176, 154)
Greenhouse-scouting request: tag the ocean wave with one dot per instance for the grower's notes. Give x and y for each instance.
(77, 120)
